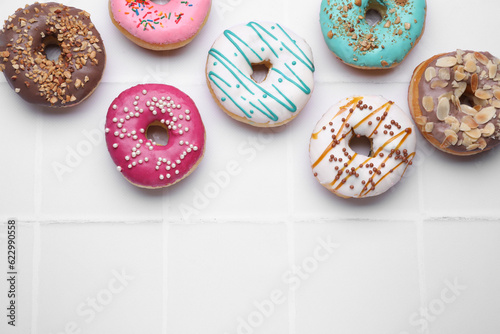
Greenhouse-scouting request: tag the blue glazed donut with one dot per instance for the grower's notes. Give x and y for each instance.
(384, 45)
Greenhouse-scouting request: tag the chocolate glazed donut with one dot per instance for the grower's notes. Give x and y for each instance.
(56, 83)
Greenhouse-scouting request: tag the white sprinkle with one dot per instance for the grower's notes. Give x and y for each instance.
(134, 132)
(128, 117)
(141, 141)
(181, 116)
(138, 145)
(136, 103)
(117, 133)
(178, 106)
(122, 120)
(157, 167)
(129, 135)
(168, 176)
(119, 168)
(170, 113)
(124, 130)
(140, 162)
(186, 129)
(129, 166)
(150, 148)
(122, 136)
(144, 92)
(134, 163)
(131, 114)
(134, 149)
(195, 148)
(174, 119)
(125, 109)
(107, 130)
(168, 167)
(178, 161)
(174, 165)
(141, 110)
(138, 152)
(115, 120)
(120, 125)
(115, 106)
(142, 130)
(134, 154)
(148, 103)
(127, 158)
(181, 142)
(169, 162)
(134, 137)
(168, 98)
(177, 172)
(137, 97)
(164, 160)
(181, 132)
(187, 112)
(188, 118)
(162, 177)
(115, 145)
(146, 159)
(137, 114)
(189, 150)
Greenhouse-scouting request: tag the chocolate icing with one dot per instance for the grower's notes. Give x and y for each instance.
(485, 82)
(61, 83)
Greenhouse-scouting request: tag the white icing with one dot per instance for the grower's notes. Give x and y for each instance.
(320, 150)
(287, 87)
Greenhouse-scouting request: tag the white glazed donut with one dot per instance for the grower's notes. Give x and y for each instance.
(287, 87)
(349, 174)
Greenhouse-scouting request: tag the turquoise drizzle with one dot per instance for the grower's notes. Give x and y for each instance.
(255, 90)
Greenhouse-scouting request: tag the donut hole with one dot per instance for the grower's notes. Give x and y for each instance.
(467, 99)
(160, 2)
(362, 145)
(375, 12)
(157, 132)
(260, 71)
(51, 48)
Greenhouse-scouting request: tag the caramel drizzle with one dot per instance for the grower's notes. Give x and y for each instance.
(410, 158)
(365, 192)
(385, 108)
(330, 146)
(374, 155)
(338, 136)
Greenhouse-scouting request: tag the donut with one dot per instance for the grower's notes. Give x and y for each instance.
(289, 82)
(357, 43)
(66, 81)
(351, 175)
(142, 161)
(454, 99)
(159, 26)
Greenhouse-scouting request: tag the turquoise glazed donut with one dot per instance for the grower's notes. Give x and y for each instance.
(385, 44)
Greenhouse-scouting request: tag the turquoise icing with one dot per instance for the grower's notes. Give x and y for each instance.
(241, 78)
(353, 51)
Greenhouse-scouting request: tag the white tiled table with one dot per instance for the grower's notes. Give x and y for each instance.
(268, 251)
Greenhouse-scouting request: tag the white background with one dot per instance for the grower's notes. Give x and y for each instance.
(244, 255)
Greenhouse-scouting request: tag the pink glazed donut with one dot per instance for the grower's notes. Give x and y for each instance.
(141, 161)
(159, 26)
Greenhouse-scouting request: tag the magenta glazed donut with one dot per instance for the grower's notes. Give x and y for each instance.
(142, 161)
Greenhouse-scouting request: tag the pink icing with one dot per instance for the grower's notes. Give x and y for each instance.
(140, 160)
(171, 23)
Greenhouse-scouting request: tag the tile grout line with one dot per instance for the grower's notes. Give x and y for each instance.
(165, 234)
(420, 242)
(292, 311)
(35, 278)
(37, 198)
